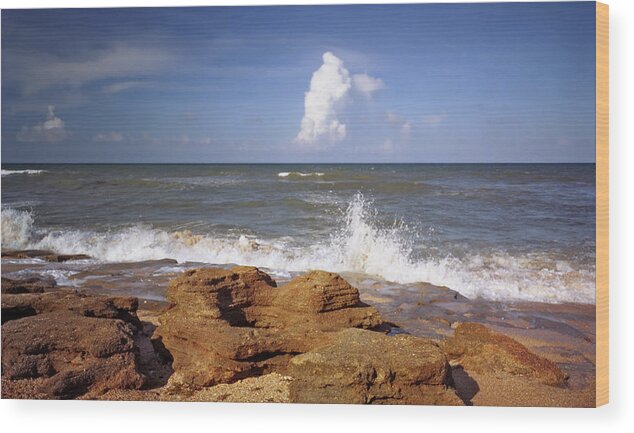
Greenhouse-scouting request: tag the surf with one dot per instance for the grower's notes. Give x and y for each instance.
(4, 172)
(299, 174)
(359, 244)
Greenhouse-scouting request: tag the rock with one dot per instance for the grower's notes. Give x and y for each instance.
(317, 292)
(28, 285)
(78, 354)
(49, 256)
(227, 325)
(24, 254)
(64, 257)
(68, 345)
(29, 304)
(477, 348)
(219, 293)
(368, 367)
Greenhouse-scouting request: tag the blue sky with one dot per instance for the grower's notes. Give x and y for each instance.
(383, 83)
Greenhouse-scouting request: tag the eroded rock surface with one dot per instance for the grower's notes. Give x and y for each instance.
(65, 344)
(227, 325)
(475, 347)
(49, 256)
(16, 306)
(233, 335)
(27, 285)
(368, 367)
(230, 324)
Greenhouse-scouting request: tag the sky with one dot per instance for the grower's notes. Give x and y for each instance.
(506, 82)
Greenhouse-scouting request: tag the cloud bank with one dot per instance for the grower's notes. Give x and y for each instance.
(51, 130)
(329, 88)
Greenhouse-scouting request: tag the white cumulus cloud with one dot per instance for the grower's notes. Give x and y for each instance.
(329, 86)
(51, 130)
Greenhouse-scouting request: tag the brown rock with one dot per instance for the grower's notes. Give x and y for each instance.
(49, 256)
(24, 254)
(477, 348)
(369, 367)
(317, 292)
(213, 293)
(68, 345)
(28, 304)
(64, 257)
(27, 285)
(230, 324)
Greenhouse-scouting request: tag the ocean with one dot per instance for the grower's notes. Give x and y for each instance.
(503, 232)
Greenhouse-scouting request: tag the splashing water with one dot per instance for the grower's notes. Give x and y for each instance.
(359, 245)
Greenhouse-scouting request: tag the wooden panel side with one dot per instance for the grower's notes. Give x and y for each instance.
(602, 205)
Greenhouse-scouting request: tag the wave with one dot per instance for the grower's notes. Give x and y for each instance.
(11, 172)
(17, 227)
(292, 174)
(359, 245)
(204, 180)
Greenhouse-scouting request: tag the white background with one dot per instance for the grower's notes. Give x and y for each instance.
(46, 416)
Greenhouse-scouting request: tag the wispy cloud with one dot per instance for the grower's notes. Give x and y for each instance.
(387, 146)
(367, 85)
(186, 140)
(109, 137)
(434, 119)
(400, 122)
(121, 86)
(146, 138)
(34, 73)
(51, 130)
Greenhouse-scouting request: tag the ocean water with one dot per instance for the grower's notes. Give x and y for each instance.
(493, 231)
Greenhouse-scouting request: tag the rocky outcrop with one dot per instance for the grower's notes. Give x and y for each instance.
(49, 256)
(476, 348)
(16, 306)
(65, 344)
(369, 367)
(230, 324)
(27, 285)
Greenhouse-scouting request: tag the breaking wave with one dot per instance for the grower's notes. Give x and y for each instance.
(10, 172)
(292, 174)
(358, 245)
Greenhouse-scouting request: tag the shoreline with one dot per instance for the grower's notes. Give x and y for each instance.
(561, 333)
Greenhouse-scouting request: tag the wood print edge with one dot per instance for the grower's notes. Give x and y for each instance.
(602, 204)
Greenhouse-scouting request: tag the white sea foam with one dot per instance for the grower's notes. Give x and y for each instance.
(299, 174)
(359, 245)
(61, 276)
(10, 172)
(17, 227)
